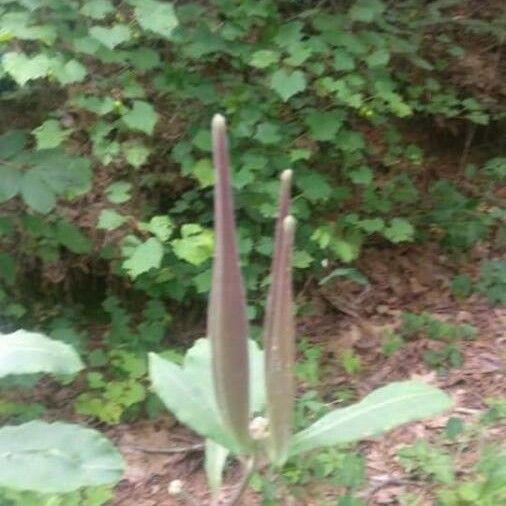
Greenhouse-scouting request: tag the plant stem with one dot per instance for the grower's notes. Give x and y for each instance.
(249, 468)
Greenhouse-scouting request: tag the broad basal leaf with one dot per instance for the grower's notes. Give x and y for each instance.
(10, 182)
(187, 399)
(36, 193)
(382, 410)
(56, 458)
(216, 458)
(23, 352)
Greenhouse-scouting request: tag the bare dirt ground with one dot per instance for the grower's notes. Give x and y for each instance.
(346, 315)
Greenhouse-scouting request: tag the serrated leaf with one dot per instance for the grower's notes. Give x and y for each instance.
(72, 238)
(380, 411)
(324, 125)
(161, 226)
(50, 135)
(264, 58)
(156, 16)
(366, 11)
(36, 193)
(69, 72)
(204, 173)
(145, 257)
(23, 352)
(111, 36)
(362, 175)
(287, 84)
(97, 9)
(136, 154)
(56, 458)
(10, 182)
(399, 230)
(378, 58)
(314, 186)
(119, 192)
(142, 116)
(12, 143)
(371, 225)
(23, 69)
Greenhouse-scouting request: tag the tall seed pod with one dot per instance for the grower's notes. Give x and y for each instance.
(227, 324)
(279, 334)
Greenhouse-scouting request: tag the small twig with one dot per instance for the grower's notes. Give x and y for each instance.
(389, 483)
(198, 447)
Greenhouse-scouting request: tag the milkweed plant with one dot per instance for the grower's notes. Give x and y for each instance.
(241, 398)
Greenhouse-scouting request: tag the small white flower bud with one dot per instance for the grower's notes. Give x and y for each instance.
(258, 428)
(175, 487)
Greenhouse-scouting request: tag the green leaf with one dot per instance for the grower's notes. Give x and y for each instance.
(185, 398)
(141, 117)
(119, 192)
(23, 69)
(287, 84)
(378, 58)
(346, 272)
(72, 238)
(264, 58)
(268, 133)
(70, 72)
(56, 458)
(7, 268)
(195, 245)
(97, 9)
(366, 10)
(161, 226)
(23, 352)
(136, 154)
(343, 61)
(314, 186)
(111, 37)
(399, 230)
(215, 460)
(156, 16)
(380, 411)
(10, 182)
(371, 225)
(145, 257)
(36, 193)
(362, 175)
(324, 125)
(204, 172)
(12, 143)
(49, 135)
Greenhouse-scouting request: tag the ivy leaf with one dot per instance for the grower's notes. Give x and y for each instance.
(10, 182)
(324, 125)
(204, 172)
(156, 16)
(97, 9)
(11, 143)
(141, 117)
(49, 135)
(70, 72)
(72, 238)
(109, 219)
(111, 37)
(36, 193)
(136, 154)
(362, 175)
(399, 230)
(366, 10)
(263, 58)
(145, 257)
(378, 58)
(287, 84)
(23, 69)
(118, 192)
(195, 245)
